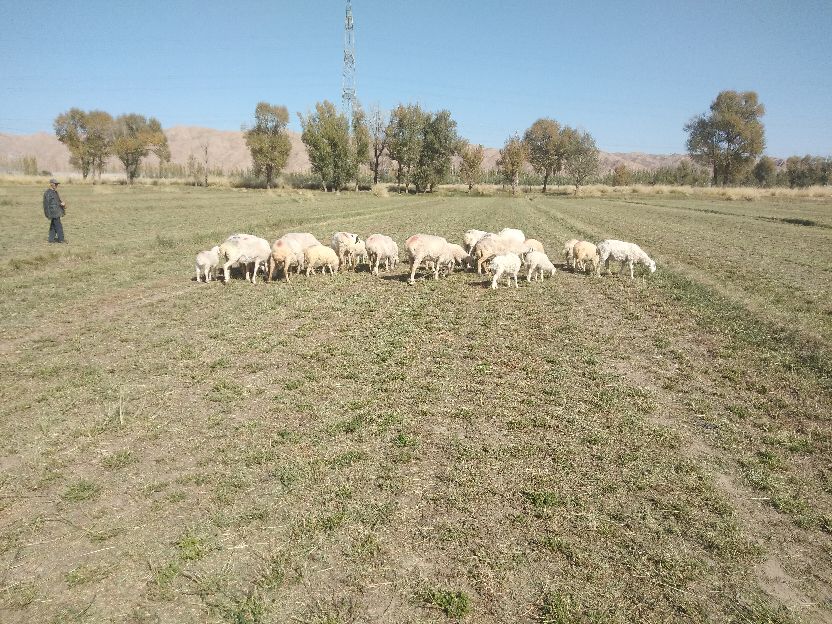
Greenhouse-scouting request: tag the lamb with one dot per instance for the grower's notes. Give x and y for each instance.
(421, 247)
(458, 256)
(470, 238)
(321, 256)
(585, 251)
(344, 244)
(381, 248)
(568, 246)
(285, 253)
(244, 248)
(360, 252)
(538, 261)
(505, 263)
(493, 245)
(622, 252)
(207, 261)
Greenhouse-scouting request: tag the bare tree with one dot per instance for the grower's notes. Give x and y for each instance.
(377, 123)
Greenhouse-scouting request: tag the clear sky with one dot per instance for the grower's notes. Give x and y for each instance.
(631, 73)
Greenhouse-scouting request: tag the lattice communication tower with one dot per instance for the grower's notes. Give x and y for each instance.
(348, 81)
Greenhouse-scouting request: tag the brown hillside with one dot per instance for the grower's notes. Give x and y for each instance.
(227, 149)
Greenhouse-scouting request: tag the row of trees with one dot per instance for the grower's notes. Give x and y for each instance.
(93, 136)
(420, 146)
(549, 149)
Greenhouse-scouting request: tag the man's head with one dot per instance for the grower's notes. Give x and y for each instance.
(53, 183)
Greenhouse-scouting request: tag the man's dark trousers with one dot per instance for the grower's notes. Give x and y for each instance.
(56, 231)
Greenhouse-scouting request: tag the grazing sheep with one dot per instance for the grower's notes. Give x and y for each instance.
(582, 252)
(207, 261)
(505, 263)
(538, 261)
(623, 252)
(381, 248)
(568, 246)
(285, 253)
(532, 244)
(511, 235)
(421, 247)
(244, 248)
(321, 256)
(344, 244)
(360, 252)
(458, 256)
(470, 238)
(494, 245)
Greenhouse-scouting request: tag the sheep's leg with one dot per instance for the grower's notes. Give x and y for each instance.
(436, 266)
(286, 270)
(515, 280)
(272, 266)
(417, 260)
(496, 277)
(530, 274)
(226, 272)
(480, 260)
(630, 264)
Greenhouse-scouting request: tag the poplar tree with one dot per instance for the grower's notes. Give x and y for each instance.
(268, 141)
(730, 138)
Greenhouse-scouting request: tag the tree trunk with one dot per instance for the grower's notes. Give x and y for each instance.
(545, 180)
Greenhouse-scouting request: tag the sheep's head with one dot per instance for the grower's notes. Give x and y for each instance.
(651, 264)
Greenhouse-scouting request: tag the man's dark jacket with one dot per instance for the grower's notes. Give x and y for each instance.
(52, 204)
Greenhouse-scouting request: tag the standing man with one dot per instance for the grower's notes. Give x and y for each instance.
(54, 209)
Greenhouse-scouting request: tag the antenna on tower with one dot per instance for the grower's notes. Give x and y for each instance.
(348, 78)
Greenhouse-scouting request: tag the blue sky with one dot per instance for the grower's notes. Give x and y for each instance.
(631, 73)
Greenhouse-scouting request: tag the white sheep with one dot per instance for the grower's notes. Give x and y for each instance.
(458, 256)
(360, 253)
(538, 261)
(304, 239)
(532, 244)
(321, 256)
(505, 263)
(568, 246)
(494, 245)
(381, 248)
(245, 249)
(285, 253)
(623, 252)
(207, 261)
(470, 238)
(583, 252)
(421, 247)
(344, 244)
(512, 235)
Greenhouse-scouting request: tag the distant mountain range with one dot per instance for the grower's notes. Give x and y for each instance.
(227, 150)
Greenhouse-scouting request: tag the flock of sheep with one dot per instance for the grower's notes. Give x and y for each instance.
(503, 253)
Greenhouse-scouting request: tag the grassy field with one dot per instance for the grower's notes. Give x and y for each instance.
(354, 449)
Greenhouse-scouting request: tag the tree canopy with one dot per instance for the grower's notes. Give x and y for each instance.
(512, 158)
(582, 157)
(134, 137)
(268, 140)
(470, 165)
(730, 138)
(88, 136)
(546, 148)
(335, 150)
